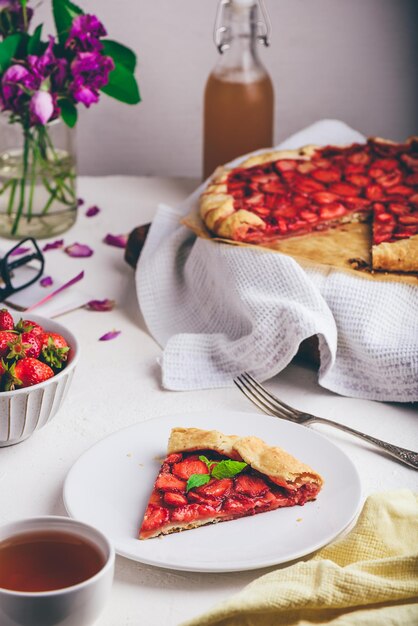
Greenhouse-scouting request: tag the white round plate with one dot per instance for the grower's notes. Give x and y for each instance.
(109, 486)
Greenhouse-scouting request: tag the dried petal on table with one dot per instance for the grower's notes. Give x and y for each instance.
(119, 241)
(18, 251)
(92, 211)
(78, 250)
(46, 281)
(110, 335)
(100, 305)
(53, 245)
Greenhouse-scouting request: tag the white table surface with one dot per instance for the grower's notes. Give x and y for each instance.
(117, 383)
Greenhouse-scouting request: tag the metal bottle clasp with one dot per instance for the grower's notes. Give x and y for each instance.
(222, 34)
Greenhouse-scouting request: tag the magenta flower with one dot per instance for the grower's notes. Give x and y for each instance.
(85, 33)
(11, 17)
(45, 64)
(41, 107)
(16, 80)
(119, 241)
(78, 250)
(90, 72)
(92, 211)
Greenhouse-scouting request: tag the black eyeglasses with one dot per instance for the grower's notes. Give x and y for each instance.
(20, 267)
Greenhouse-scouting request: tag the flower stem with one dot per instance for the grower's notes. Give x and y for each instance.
(12, 196)
(32, 178)
(22, 181)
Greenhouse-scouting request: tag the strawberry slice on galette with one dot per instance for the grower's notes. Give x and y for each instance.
(209, 477)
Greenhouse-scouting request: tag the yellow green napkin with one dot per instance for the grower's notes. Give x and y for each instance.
(369, 577)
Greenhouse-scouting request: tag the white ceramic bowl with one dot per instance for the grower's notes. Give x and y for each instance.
(78, 605)
(23, 411)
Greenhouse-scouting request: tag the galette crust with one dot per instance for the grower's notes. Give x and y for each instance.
(189, 439)
(396, 256)
(281, 467)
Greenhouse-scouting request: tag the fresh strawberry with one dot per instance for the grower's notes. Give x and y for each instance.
(54, 350)
(6, 337)
(186, 468)
(27, 372)
(168, 482)
(25, 345)
(59, 341)
(216, 489)
(155, 517)
(249, 485)
(6, 320)
(28, 326)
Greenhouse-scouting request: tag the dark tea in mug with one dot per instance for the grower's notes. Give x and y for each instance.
(47, 560)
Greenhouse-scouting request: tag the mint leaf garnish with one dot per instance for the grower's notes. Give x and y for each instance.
(197, 480)
(205, 460)
(228, 468)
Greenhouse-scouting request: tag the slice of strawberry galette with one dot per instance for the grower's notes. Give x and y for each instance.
(210, 477)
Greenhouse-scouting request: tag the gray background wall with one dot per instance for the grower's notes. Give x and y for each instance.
(355, 60)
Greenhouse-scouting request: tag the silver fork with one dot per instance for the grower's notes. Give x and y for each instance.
(271, 405)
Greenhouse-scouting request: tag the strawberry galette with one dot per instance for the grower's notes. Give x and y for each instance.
(277, 195)
(210, 477)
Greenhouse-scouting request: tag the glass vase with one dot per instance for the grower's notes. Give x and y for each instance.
(37, 180)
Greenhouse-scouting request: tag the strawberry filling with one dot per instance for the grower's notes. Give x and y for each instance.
(172, 505)
(294, 197)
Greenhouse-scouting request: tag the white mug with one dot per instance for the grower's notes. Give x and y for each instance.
(77, 605)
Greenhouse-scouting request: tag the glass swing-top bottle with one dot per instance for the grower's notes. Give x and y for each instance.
(239, 95)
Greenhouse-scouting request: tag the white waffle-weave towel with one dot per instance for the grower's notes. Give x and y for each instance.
(218, 310)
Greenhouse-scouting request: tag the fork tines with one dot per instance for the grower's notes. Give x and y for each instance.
(266, 401)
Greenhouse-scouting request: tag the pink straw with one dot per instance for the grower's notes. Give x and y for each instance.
(57, 291)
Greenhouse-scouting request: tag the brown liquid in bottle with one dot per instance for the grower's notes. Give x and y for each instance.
(238, 118)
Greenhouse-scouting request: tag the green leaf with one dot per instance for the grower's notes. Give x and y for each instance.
(197, 480)
(206, 461)
(34, 45)
(68, 112)
(9, 48)
(228, 469)
(120, 54)
(64, 12)
(122, 85)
